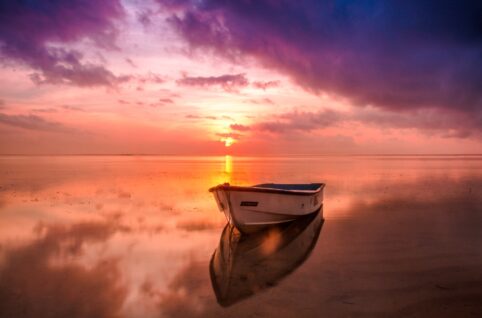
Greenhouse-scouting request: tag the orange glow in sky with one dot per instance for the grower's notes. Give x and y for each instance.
(150, 91)
(228, 141)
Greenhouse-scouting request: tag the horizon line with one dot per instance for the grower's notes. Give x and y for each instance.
(237, 155)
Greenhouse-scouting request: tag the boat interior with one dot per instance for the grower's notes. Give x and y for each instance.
(302, 187)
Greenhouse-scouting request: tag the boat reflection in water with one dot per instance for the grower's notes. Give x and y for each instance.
(244, 264)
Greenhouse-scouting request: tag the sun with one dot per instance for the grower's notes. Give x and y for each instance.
(228, 141)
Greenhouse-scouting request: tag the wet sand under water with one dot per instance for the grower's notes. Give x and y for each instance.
(126, 236)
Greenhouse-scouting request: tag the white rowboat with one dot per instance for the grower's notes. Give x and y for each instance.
(267, 204)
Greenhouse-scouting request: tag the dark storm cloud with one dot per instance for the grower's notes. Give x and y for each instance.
(229, 82)
(28, 27)
(391, 54)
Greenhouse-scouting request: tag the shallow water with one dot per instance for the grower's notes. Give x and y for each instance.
(127, 236)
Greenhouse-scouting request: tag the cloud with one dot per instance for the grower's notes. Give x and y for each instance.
(166, 101)
(448, 124)
(393, 55)
(130, 62)
(261, 101)
(32, 122)
(151, 77)
(239, 127)
(123, 102)
(73, 108)
(229, 82)
(191, 116)
(28, 29)
(429, 121)
(44, 110)
(145, 17)
(265, 85)
(162, 102)
(300, 121)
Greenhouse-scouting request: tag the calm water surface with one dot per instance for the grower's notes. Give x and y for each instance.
(126, 236)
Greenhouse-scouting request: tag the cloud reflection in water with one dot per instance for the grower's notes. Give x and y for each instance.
(36, 280)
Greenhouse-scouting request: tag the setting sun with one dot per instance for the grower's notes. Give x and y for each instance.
(228, 141)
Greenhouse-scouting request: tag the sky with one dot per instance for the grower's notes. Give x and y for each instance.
(265, 77)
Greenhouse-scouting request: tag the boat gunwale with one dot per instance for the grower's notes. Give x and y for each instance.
(227, 187)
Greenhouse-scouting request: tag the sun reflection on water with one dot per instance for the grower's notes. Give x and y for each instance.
(228, 167)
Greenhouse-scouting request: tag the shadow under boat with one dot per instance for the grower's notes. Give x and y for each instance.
(244, 264)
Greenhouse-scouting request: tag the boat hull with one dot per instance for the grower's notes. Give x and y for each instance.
(249, 209)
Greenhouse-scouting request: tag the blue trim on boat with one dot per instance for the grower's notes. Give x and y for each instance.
(302, 187)
(287, 189)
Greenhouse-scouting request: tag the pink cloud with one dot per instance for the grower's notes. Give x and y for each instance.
(394, 59)
(32, 122)
(229, 82)
(428, 121)
(26, 29)
(239, 127)
(265, 85)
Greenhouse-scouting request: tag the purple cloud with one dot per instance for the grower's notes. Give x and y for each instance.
(265, 85)
(44, 110)
(166, 101)
(32, 122)
(162, 102)
(72, 108)
(130, 62)
(393, 55)
(151, 77)
(123, 102)
(449, 124)
(28, 28)
(429, 121)
(229, 82)
(145, 17)
(261, 101)
(239, 127)
(191, 116)
(300, 121)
